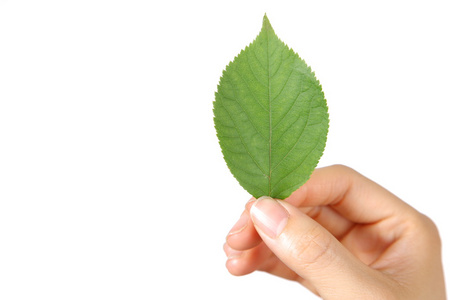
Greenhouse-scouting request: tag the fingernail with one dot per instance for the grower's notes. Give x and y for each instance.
(240, 224)
(269, 216)
(250, 203)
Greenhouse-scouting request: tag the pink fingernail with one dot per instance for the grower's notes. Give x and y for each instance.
(269, 216)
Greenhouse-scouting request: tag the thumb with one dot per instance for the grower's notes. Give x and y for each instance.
(310, 250)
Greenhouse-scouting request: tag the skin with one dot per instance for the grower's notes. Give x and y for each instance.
(342, 236)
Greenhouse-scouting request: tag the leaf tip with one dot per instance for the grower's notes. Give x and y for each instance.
(266, 23)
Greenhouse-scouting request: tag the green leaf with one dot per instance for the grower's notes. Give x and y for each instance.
(271, 117)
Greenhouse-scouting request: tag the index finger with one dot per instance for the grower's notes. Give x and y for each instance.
(354, 196)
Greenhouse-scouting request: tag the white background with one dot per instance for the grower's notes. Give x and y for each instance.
(112, 184)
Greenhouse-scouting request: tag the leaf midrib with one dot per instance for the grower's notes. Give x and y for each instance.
(270, 116)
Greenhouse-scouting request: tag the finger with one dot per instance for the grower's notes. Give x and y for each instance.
(243, 235)
(245, 262)
(259, 258)
(349, 193)
(273, 265)
(330, 219)
(230, 252)
(309, 250)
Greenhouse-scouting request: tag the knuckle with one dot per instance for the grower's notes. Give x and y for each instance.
(343, 168)
(430, 229)
(314, 248)
(423, 230)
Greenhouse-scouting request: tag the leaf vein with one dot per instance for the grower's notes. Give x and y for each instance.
(242, 108)
(242, 141)
(248, 87)
(279, 66)
(299, 138)
(257, 59)
(289, 77)
(292, 124)
(315, 147)
(269, 96)
(290, 108)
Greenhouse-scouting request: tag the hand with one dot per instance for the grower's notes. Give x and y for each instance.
(343, 237)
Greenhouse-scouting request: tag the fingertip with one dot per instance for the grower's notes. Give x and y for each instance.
(234, 267)
(269, 216)
(236, 262)
(244, 239)
(243, 235)
(240, 225)
(240, 265)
